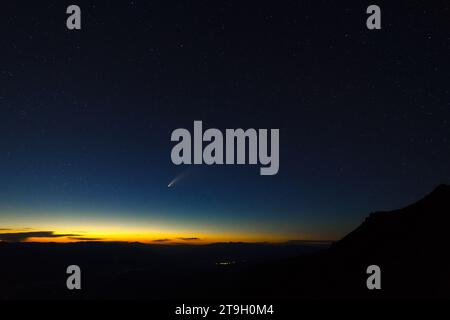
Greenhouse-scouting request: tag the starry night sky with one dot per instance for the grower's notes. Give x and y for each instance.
(86, 116)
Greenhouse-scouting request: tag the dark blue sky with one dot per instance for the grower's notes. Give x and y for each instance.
(86, 116)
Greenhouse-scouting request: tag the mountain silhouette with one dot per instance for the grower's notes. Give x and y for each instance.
(419, 226)
(410, 245)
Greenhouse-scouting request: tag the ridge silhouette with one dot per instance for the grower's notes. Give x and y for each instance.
(423, 222)
(410, 245)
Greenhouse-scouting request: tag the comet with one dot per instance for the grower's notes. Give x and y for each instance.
(175, 180)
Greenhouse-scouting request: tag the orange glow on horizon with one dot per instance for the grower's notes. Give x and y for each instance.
(66, 235)
(17, 226)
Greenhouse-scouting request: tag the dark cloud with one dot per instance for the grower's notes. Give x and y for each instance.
(86, 239)
(161, 240)
(309, 242)
(188, 239)
(22, 236)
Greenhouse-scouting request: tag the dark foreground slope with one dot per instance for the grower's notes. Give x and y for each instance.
(133, 270)
(410, 245)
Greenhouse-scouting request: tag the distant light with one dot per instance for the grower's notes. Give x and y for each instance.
(225, 263)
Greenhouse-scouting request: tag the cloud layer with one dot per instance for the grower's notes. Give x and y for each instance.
(23, 236)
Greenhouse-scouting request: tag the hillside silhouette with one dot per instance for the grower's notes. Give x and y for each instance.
(410, 245)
